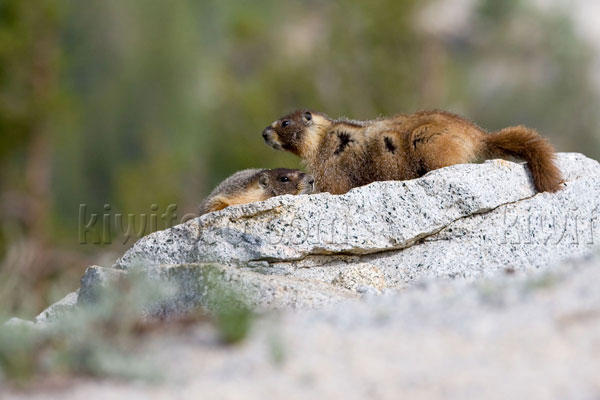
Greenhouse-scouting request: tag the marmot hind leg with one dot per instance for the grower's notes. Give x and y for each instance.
(433, 146)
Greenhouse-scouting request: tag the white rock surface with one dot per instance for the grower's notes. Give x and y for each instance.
(361, 275)
(380, 216)
(56, 310)
(452, 286)
(192, 282)
(510, 337)
(460, 221)
(464, 221)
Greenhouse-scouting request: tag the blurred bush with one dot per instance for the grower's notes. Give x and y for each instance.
(110, 333)
(111, 336)
(141, 103)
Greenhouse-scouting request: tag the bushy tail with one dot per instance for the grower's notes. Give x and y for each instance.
(527, 144)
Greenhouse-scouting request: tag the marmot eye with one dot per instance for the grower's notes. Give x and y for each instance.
(285, 123)
(284, 179)
(307, 116)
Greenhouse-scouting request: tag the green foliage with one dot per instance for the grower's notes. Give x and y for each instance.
(528, 66)
(104, 335)
(19, 349)
(26, 68)
(171, 98)
(29, 95)
(492, 11)
(233, 317)
(277, 350)
(234, 320)
(95, 339)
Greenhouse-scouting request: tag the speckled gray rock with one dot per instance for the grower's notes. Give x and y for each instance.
(193, 283)
(459, 221)
(464, 221)
(359, 276)
(95, 279)
(18, 323)
(58, 309)
(528, 234)
(189, 285)
(369, 219)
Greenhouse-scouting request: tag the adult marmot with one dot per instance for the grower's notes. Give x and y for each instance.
(342, 154)
(255, 185)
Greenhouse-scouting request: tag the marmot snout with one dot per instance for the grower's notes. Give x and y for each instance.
(292, 132)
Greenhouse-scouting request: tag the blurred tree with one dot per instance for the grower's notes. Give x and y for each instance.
(138, 134)
(528, 66)
(29, 97)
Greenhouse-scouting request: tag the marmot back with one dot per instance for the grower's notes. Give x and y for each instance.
(343, 154)
(251, 185)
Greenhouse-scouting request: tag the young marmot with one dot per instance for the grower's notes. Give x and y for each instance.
(342, 154)
(251, 185)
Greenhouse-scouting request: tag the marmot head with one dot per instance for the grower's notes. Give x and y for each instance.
(280, 181)
(298, 132)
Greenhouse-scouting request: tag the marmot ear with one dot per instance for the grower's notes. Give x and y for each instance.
(263, 180)
(307, 116)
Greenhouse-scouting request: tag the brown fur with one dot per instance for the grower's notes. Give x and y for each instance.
(343, 154)
(252, 185)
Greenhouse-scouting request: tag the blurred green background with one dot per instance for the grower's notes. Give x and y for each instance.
(142, 104)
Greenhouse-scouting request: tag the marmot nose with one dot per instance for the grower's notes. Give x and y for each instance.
(265, 133)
